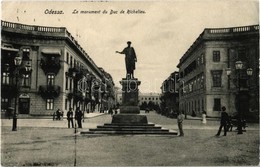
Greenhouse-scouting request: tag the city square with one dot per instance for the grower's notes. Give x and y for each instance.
(108, 83)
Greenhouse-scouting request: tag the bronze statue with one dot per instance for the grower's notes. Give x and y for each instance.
(130, 59)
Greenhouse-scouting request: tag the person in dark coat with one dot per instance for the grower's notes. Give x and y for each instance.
(223, 121)
(70, 118)
(78, 117)
(58, 114)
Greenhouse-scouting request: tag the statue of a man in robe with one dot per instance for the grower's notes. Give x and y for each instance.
(130, 59)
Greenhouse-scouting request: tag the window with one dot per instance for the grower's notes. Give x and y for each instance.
(50, 79)
(66, 104)
(5, 78)
(71, 60)
(217, 104)
(49, 104)
(195, 105)
(67, 83)
(202, 105)
(241, 55)
(216, 78)
(75, 63)
(199, 105)
(26, 54)
(26, 80)
(71, 83)
(216, 56)
(4, 104)
(67, 57)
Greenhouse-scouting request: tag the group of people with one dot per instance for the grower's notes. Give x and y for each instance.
(78, 117)
(224, 122)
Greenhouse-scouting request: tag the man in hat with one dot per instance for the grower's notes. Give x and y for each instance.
(70, 118)
(130, 59)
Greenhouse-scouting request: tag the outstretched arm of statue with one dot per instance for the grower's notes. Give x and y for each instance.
(119, 52)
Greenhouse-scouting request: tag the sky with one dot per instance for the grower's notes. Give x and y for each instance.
(160, 34)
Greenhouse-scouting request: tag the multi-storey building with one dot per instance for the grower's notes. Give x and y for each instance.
(204, 83)
(61, 74)
(170, 94)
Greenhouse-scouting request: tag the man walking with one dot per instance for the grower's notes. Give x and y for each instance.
(78, 117)
(179, 121)
(70, 118)
(223, 121)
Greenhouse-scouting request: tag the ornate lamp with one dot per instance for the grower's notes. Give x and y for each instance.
(249, 71)
(228, 70)
(17, 61)
(239, 65)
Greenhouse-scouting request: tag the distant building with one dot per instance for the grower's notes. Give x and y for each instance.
(204, 83)
(147, 97)
(56, 72)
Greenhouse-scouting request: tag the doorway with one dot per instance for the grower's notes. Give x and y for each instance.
(24, 105)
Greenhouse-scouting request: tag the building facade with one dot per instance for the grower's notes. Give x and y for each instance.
(170, 94)
(205, 84)
(149, 97)
(61, 74)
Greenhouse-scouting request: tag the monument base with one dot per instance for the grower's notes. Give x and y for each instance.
(129, 110)
(129, 119)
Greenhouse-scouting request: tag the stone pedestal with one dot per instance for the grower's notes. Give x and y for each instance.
(129, 110)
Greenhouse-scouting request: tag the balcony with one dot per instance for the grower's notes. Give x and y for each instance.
(47, 91)
(50, 65)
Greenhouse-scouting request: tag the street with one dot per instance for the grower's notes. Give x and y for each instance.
(44, 142)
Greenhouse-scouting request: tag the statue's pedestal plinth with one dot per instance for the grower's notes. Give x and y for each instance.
(129, 110)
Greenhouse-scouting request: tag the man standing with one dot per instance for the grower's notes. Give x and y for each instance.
(179, 121)
(130, 59)
(70, 118)
(78, 117)
(223, 121)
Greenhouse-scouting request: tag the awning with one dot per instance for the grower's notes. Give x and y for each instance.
(9, 49)
(51, 51)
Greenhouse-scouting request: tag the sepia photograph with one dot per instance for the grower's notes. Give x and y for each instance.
(130, 83)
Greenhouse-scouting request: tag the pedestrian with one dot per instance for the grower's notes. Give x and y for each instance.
(224, 119)
(70, 118)
(53, 115)
(193, 113)
(179, 121)
(110, 111)
(58, 114)
(62, 115)
(204, 115)
(78, 117)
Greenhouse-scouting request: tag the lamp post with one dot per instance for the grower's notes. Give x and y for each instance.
(17, 63)
(249, 71)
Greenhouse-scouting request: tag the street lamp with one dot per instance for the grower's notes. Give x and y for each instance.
(249, 71)
(17, 63)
